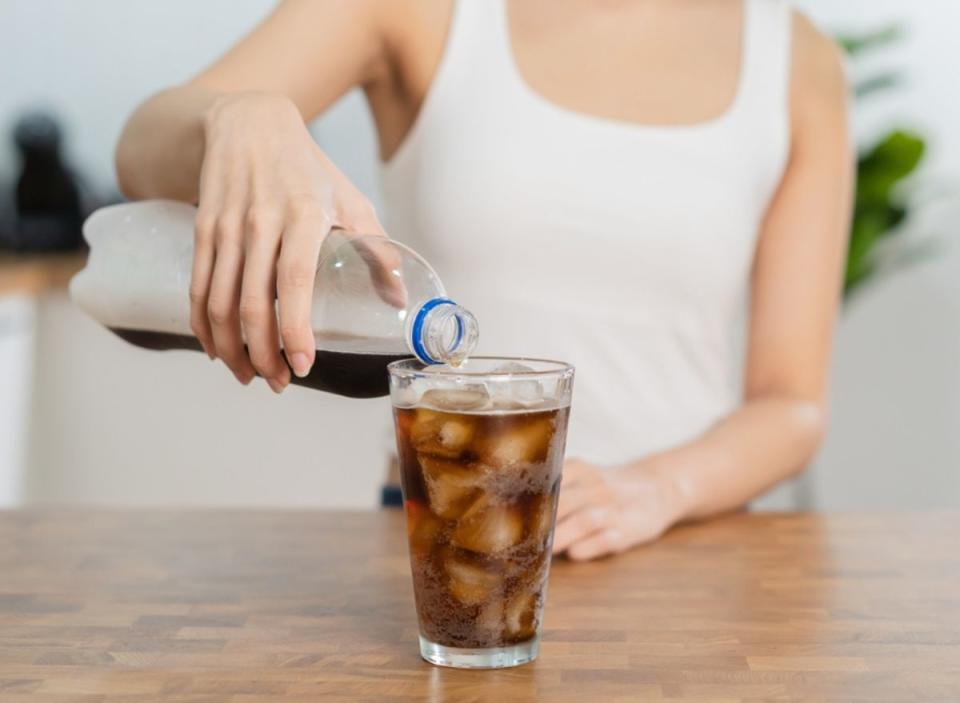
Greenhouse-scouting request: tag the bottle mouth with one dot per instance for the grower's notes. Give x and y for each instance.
(442, 332)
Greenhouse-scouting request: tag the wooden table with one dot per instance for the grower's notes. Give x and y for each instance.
(263, 606)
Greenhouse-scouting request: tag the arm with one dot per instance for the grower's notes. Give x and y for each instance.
(306, 54)
(795, 292)
(234, 140)
(796, 288)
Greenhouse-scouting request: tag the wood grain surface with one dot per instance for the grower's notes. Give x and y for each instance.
(254, 607)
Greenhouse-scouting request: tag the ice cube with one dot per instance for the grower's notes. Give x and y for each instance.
(490, 618)
(520, 615)
(472, 396)
(451, 486)
(512, 367)
(406, 396)
(455, 435)
(469, 583)
(488, 526)
(440, 434)
(422, 529)
(540, 519)
(514, 392)
(522, 442)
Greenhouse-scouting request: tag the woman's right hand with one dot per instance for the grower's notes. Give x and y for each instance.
(268, 197)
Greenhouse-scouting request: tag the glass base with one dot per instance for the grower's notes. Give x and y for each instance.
(485, 658)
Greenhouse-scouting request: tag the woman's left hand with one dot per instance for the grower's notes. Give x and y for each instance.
(605, 511)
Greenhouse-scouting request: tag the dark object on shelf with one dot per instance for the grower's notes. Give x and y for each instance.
(47, 207)
(391, 496)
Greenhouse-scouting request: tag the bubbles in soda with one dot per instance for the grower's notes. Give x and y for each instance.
(480, 481)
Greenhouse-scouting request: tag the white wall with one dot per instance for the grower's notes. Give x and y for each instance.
(895, 436)
(114, 424)
(16, 363)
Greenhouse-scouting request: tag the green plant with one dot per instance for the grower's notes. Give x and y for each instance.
(879, 204)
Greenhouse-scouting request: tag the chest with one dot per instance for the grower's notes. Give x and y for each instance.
(557, 202)
(508, 188)
(631, 61)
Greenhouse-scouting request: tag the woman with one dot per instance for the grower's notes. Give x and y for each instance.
(608, 182)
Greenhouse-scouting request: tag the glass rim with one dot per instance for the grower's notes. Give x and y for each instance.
(405, 368)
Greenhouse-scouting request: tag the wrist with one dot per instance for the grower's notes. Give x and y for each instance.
(675, 495)
(227, 108)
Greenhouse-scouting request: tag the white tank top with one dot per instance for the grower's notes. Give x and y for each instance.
(623, 248)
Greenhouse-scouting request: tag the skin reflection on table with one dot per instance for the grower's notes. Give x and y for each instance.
(266, 606)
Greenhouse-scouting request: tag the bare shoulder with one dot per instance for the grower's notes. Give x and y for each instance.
(400, 32)
(365, 15)
(381, 21)
(402, 21)
(414, 36)
(818, 68)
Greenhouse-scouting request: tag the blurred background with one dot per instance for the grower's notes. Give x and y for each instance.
(86, 419)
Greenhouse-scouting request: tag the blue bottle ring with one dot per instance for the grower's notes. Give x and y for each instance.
(416, 332)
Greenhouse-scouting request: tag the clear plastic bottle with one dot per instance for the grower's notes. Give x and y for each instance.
(375, 300)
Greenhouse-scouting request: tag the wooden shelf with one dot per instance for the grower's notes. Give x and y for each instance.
(38, 273)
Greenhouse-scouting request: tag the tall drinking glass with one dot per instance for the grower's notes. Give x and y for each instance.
(481, 451)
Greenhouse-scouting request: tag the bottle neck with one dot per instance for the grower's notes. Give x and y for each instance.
(442, 332)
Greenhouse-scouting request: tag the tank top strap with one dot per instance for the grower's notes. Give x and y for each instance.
(477, 43)
(765, 70)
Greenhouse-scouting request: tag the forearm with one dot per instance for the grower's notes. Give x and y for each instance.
(160, 151)
(767, 440)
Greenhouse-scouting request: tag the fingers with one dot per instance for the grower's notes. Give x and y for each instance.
(380, 254)
(384, 261)
(606, 512)
(608, 541)
(574, 528)
(307, 227)
(258, 292)
(574, 498)
(224, 299)
(575, 472)
(203, 257)
(578, 488)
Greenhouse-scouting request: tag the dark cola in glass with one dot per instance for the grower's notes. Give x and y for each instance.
(481, 452)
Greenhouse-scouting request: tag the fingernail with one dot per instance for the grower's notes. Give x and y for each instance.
(275, 385)
(300, 364)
